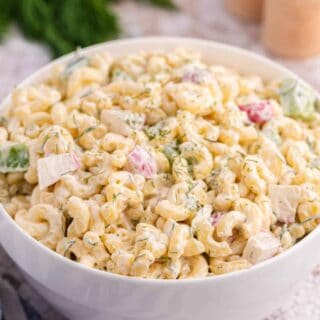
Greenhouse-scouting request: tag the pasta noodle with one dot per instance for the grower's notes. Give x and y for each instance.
(158, 165)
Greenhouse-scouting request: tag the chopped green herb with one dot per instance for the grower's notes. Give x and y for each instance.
(3, 121)
(192, 161)
(253, 160)
(68, 246)
(89, 129)
(91, 243)
(315, 163)
(310, 143)
(192, 203)
(141, 256)
(67, 172)
(134, 120)
(242, 154)
(45, 140)
(171, 150)
(157, 131)
(73, 65)
(147, 90)
(86, 94)
(143, 239)
(163, 259)
(310, 219)
(86, 179)
(115, 196)
(191, 186)
(75, 121)
(283, 231)
(317, 104)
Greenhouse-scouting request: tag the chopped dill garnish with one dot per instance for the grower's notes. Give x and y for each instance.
(67, 172)
(78, 62)
(91, 243)
(284, 229)
(141, 240)
(47, 137)
(3, 121)
(45, 140)
(89, 129)
(75, 121)
(310, 219)
(68, 246)
(115, 196)
(157, 130)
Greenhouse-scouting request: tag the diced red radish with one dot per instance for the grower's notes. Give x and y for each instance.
(258, 112)
(52, 168)
(142, 162)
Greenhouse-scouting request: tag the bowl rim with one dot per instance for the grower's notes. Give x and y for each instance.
(34, 78)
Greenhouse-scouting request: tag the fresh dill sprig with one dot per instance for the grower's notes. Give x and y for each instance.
(64, 25)
(89, 129)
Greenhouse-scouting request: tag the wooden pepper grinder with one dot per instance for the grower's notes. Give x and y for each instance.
(249, 10)
(291, 28)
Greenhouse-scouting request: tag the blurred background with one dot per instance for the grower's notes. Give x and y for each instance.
(33, 32)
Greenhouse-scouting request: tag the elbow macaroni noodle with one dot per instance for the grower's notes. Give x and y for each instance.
(204, 199)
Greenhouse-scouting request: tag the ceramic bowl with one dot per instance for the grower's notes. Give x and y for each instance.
(81, 293)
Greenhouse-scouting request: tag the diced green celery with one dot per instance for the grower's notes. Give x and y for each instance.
(14, 158)
(297, 99)
(315, 163)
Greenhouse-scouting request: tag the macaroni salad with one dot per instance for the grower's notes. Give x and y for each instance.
(158, 165)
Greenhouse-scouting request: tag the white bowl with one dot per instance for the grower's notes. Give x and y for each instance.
(82, 293)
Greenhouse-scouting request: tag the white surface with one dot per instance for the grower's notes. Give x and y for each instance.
(82, 293)
(198, 18)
